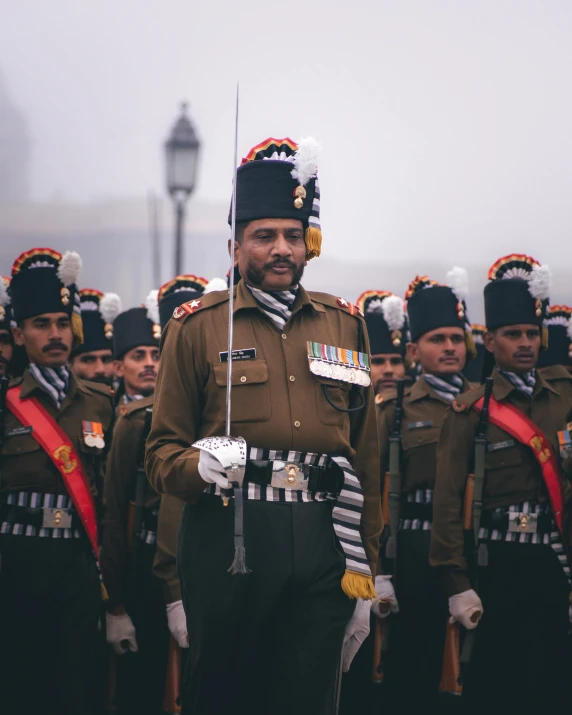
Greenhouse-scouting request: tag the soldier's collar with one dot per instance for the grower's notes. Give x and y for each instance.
(245, 299)
(29, 384)
(503, 387)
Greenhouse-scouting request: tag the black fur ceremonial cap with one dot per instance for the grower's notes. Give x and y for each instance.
(98, 311)
(181, 290)
(386, 322)
(559, 350)
(518, 292)
(278, 179)
(473, 370)
(44, 281)
(137, 327)
(5, 305)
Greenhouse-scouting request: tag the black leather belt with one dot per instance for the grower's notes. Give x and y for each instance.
(39, 517)
(516, 521)
(413, 510)
(295, 475)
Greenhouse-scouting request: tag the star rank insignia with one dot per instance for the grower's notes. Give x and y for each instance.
(353, 309)
(343, 302)
(187, 309)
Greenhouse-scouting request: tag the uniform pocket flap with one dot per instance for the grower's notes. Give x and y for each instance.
(328, 382)
(244, 372)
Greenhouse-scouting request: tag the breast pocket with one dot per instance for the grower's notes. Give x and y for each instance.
(332, 396)
(420, 455)
(250, 392)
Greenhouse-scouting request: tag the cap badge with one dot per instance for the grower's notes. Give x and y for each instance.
(300, 194)
(2, 312)
(108, 330)
(65, 295)
(460, 310)
(396, 338)
(538, 307)
(156, 331)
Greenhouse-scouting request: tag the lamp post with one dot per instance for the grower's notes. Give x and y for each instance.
(181, 161)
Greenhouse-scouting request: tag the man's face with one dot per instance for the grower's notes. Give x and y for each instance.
(6, 350)
(385, 370)
(138, 368)
(515, 347)
(272, 253)
(47, 338)
(96, 366)
(440, 352)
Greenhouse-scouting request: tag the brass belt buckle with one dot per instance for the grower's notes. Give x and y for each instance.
(57, 519)
(286, 475)
(522, 523)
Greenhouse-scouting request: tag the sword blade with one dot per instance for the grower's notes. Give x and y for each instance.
(231, 275)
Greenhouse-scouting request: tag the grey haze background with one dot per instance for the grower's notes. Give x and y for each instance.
(446, 129)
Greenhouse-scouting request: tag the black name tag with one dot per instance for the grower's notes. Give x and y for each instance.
(246, 354)
(495, 446)
(420, 425)
(18, 431)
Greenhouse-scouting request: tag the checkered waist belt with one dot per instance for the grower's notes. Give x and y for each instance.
(39, 514)
(284, 474)
(537, 519)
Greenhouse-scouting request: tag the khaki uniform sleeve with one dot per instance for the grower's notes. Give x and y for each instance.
(118, 491)
(165, 563)
(454, 459)
(363, 437)
(171, 463)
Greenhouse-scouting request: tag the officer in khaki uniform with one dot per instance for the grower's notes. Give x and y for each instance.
(137, 620)
(50, 590)
(520, 653)
(440, 344)
(266, 629)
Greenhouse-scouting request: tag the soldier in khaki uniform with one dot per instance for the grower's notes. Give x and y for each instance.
(559, 350)
(6, 338)
(440, 344)
(267, 636)
(56, 431)
(520, 653)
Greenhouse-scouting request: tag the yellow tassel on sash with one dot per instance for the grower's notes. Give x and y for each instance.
(313, 242)
(77, 330)
(104, 594)
(358, 585)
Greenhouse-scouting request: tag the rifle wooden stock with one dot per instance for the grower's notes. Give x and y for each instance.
(385, 500)
(468, 503)
(171, 699)
(110, 706)
(451, 671)
(130, 526)
(379, 640)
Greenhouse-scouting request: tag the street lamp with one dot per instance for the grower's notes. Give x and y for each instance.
(181, 161)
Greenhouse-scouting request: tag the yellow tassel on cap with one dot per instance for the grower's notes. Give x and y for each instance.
(313, 242)
(358, 585)
(77, 330)
(470, 343)
(544, 338)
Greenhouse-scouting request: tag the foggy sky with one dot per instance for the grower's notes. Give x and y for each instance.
(446, 126)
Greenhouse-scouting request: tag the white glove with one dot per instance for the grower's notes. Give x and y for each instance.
(120, 633)
(386, 594)
(357, 631)
(466, 607)
(211, 470)
(178, 623)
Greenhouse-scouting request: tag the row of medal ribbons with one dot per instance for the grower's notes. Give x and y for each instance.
(339, 364)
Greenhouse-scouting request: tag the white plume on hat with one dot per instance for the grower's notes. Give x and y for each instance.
(70, 268)
(152, 305)
(540, 282)
(458, 282)
(4, 295)
(215, 284)
(393, 312)
(306, 160)
(110, 306)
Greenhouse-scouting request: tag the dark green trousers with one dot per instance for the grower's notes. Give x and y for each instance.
(269, 641)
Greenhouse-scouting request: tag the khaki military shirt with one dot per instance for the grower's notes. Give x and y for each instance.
(512, 473)
(422, 419)
(27, 467)
(165, 563)
(124, 459)
(277, 403)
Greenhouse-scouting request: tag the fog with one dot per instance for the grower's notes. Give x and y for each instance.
(446, 126)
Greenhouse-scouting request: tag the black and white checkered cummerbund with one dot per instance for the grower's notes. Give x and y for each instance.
(37, 500)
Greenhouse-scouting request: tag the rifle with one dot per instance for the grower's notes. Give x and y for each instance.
(390, 507)
(172, 697)
(456, 660)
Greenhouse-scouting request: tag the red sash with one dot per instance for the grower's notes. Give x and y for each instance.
(510, 419)
(58, 446)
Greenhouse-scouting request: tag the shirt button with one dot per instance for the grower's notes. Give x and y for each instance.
(243, 378)
(284, 336)
(292, 378)
(296, 424)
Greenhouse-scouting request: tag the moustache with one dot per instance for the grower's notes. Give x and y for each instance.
(148, 373)
(524, 353)
(280, 264)
(54, 346)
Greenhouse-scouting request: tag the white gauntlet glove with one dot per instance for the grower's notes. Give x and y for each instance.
(120, 633)
(211, 470)
(386, 593)
(177, 621)
(466, 607)
(357, 631)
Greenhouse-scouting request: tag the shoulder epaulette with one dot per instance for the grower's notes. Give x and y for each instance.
(389, 397)
(466, 400)
(15, 381)
(95, 387)
(136, 406)
(333, 302)
(555, 372)
(193, 306)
